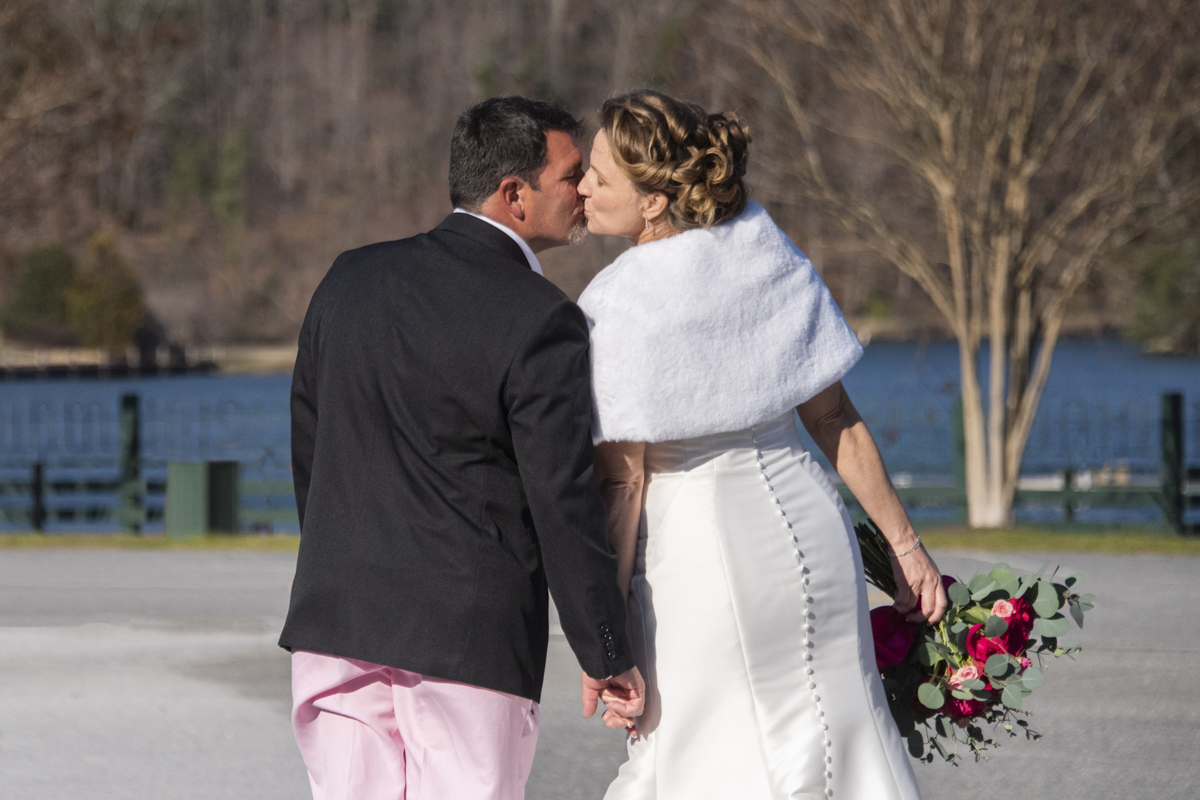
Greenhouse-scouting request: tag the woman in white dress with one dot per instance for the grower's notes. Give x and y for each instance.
(748, 606)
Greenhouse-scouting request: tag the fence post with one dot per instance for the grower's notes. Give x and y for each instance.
(37, 499)
(960, 460)
(130, 512)
(1068, 494)
(223, 496)
(187, 499)
(1172, 458)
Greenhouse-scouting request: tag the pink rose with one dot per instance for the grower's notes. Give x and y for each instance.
(894, 636)
(970, 672)
(1025, 663)
(1002, 609)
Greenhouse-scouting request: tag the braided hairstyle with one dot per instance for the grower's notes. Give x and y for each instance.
(698, 160)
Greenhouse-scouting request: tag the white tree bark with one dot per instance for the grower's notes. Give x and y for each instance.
(1036, 130)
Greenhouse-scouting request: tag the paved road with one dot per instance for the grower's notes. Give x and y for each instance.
(127, 674)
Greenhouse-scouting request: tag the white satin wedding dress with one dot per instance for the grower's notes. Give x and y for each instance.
(749, 618)
(748, 604)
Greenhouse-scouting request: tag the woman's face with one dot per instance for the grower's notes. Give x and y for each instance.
(612, 204)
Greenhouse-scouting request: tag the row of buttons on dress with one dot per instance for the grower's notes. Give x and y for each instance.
(808, 628)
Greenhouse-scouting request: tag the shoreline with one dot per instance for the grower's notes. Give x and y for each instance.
(278, 359)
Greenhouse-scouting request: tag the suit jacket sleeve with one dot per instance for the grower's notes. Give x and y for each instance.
(304, 412)
(548, 397)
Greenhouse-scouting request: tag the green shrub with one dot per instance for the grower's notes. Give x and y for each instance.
(105, 302)
(37, 310)
(1167, 304)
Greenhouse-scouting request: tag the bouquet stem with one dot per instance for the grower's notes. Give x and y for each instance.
(876, 556)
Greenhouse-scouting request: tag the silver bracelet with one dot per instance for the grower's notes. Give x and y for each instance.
(909, 550)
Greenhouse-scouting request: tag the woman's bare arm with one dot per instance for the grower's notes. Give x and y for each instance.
(620, 476)
(835, 425)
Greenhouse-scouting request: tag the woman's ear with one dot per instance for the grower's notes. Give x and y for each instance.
(654, 205)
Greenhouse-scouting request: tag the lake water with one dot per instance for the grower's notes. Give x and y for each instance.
(1101, 408)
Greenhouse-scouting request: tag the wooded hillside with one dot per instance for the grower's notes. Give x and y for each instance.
(232, 148)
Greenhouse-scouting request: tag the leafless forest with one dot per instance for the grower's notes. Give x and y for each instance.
(234, 147)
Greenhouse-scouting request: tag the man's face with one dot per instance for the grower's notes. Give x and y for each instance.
(554, 211)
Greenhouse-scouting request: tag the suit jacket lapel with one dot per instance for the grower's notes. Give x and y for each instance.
(485, 234)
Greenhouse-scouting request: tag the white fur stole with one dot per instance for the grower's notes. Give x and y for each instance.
(709, 331)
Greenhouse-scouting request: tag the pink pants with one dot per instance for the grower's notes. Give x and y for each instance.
(368, 732)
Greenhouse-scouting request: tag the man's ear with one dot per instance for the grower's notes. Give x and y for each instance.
(510, 196)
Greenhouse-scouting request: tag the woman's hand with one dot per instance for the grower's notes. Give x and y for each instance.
(919, 591)
(837, 428)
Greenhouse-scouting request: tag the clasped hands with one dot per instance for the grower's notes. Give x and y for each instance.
(624, 696)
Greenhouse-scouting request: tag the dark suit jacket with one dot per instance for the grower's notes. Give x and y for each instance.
(442, 459)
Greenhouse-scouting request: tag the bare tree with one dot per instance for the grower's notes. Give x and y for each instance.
(1032, 131)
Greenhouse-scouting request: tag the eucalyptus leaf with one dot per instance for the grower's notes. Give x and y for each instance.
(1002, 574)
(1048, 643)
(958, 627)
(959, 594)
(930, 696)
(1046, 601)
(916, 744)
(1076, 612)
(927, 653)
(961, 694)
(996, 664)
(999, 666)
(981, 585)
(940, 749)
(995, 626)
(943, 727)
(974, 615)
(1005, 580)
(1011, 697)
(1074, 580)
(974, 685)
(1031, 678)
(1055, 626)
(988, 587)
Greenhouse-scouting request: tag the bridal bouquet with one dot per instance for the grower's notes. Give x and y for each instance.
(979, 662)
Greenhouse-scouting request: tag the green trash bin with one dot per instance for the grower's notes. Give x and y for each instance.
(202, 497)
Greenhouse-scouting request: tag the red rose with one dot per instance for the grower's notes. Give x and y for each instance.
(980, 648)
(946, 581)
(893, 636)
(962, 709)
(1020, 623)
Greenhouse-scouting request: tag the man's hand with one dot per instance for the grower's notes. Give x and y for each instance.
(624, 695)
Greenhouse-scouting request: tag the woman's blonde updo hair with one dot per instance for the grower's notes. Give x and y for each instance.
(698, 160)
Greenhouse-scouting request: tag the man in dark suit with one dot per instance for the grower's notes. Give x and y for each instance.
(441, 406)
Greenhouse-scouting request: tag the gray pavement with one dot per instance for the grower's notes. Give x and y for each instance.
(154, 674)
